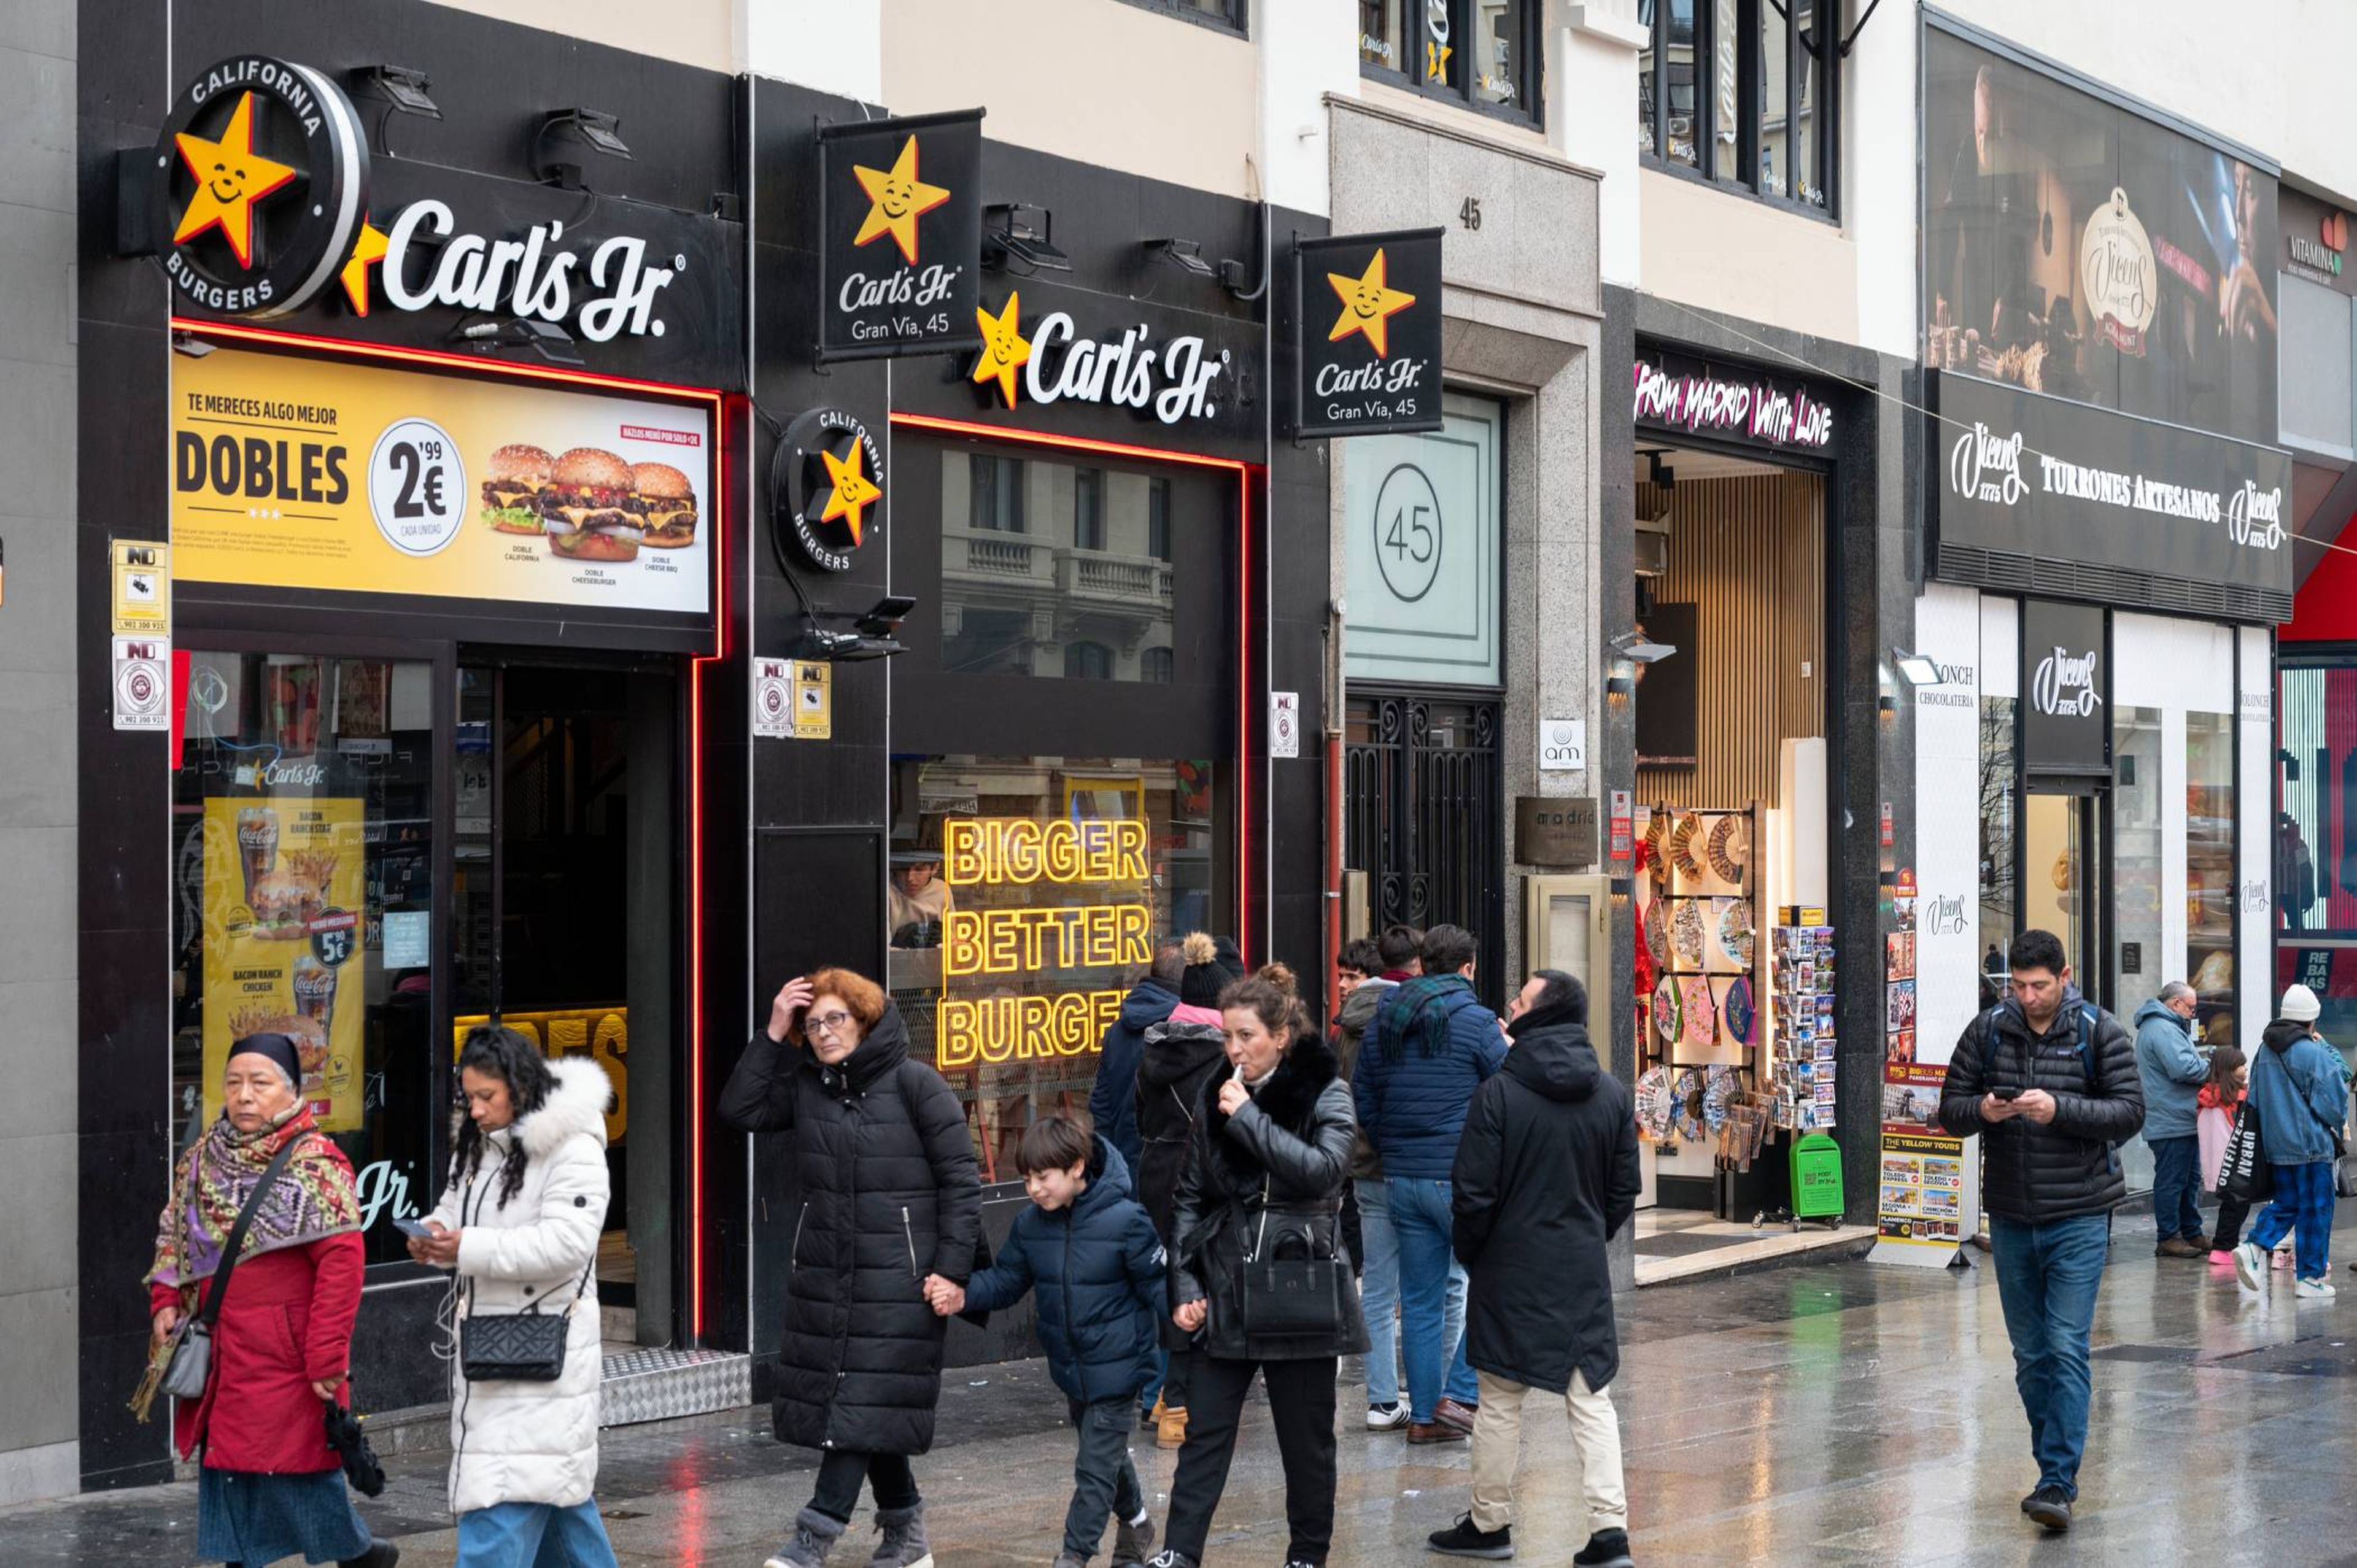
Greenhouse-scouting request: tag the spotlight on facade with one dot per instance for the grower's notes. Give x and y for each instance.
(1915, 668)
(564, 135)
(1184, 255)
(403, 87)
(1021, 236)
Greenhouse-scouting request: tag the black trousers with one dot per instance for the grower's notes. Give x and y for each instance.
(840, 1472)
(1301, 1405)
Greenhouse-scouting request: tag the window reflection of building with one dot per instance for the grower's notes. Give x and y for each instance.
(1174, 801)
(1019, 602)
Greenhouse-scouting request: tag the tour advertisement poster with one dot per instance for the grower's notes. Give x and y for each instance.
(299, 473)
(1922, 1175)
(284, 894)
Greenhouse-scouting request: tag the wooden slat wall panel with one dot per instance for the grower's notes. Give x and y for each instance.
(1749, 554)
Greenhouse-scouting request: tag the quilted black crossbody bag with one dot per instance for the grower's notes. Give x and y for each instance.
(517, 1346)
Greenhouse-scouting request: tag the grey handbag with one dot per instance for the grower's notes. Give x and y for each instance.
(191, 1364)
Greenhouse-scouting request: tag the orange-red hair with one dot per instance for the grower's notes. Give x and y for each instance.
(862, 995)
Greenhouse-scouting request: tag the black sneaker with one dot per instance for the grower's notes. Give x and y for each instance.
(1606, 1549)
(1464, 1539)
(2049, 1507)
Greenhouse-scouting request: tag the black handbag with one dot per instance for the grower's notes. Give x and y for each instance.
(517, 1346)
(1288, 1296)
(190, 1364)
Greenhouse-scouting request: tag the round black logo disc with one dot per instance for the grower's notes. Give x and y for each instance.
(827, 493)
(260, 186)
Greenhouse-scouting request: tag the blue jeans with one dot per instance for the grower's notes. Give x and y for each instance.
(1420, 1221)
(2047, 1276)
(2302, 1208)
(2177, 1186)
(535, 1535)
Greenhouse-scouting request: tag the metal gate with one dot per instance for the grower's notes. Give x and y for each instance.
(1425, 818)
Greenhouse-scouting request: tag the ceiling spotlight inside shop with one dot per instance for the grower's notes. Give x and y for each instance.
(556, 151)
(1915, 668)
(188, 343)
(1635, 647)
(546, 339)
(401, 86)
(1184, 255)
(1023, 237)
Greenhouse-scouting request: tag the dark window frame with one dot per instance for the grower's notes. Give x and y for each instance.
(1528, 111)
(1088, 508)
(1744, 177)
(1236, 23)
(1157, 518)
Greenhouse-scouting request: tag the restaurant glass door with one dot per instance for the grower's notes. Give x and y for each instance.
(2062, 877)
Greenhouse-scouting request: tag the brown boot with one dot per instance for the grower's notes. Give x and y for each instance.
(1420, 1432)
(1170, 1431)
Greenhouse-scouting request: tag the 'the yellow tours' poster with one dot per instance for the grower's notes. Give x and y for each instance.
(281, 920)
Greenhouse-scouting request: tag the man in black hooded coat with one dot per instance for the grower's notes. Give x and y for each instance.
(1546, 1171)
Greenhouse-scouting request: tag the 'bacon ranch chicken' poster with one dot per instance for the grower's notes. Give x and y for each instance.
(283, 897)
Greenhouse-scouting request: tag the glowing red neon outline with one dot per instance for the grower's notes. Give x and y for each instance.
(720, 407)
(1243, 472)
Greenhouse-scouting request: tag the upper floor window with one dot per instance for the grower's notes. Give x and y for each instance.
(1088, 508)
(1481, 52)
(994, 495)
(1228, 13)
(1742, 93)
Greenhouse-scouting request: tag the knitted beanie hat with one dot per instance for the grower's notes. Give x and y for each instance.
(1203, 981)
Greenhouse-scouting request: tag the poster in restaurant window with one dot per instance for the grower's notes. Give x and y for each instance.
(291, 472)
(284, 894)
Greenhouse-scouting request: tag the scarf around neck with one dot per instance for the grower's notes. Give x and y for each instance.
(312, 1198)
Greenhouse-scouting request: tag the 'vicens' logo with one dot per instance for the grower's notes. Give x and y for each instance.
(1983, 467)
(2254, 517)
(2117, 273)
(2065, 685)
(1943, 915)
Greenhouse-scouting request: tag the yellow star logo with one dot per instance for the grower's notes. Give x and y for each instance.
(1436, 61)
(1367, 305)
(1004, 349)
(849, 491)
(230, 179)
(896, 199)
(367, 248)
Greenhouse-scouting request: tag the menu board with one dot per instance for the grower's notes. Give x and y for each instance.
(1920, 1210)
(283, 893)
(312, 473)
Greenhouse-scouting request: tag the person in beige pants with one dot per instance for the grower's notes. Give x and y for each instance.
(1546, 1173)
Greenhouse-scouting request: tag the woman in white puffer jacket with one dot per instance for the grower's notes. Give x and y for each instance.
(519, 1222)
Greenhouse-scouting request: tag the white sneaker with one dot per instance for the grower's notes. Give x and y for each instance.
(1387, 1417)
(2315, 1290)
(2250, 1267)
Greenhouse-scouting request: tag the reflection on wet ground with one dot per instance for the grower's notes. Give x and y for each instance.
(1836, 1413)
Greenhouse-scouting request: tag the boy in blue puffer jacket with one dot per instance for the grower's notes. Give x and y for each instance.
(1101, 1278)
(2297, 1083)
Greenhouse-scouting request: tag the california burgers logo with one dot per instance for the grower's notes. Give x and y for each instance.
(261, 185)
(825, 477)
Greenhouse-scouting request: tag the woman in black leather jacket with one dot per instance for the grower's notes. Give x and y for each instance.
(1263, 1179)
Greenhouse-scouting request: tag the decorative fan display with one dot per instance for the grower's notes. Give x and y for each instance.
(1698, 1012)
(1682, 845)
(1734, 930)
(1688, 931)
(1666, 1012)
(1656, 1105)
(1728, 848)
(1685, 1093)
(1739, 1011)
(1720, 1085)
(1657, 932)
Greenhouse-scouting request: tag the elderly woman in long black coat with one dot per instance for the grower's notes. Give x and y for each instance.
(890, 1200)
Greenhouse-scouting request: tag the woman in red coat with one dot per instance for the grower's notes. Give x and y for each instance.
(270, 1487)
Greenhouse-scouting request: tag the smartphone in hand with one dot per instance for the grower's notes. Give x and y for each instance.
(2005, 1093)
(418, 1229)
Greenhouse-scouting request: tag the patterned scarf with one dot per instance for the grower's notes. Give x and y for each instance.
(312, 1197)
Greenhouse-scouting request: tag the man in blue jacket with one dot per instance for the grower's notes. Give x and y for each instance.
(2173, 1073)
(1434, 1044)
(2301, 1092)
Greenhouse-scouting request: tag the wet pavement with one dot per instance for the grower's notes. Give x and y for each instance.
(1820, 1412)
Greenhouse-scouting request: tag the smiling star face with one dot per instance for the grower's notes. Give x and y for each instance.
(1004, 349)
(850, 491)
(1369, 301)
(897, 199)
(230, 178)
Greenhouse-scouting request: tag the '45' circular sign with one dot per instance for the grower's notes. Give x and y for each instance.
(826, 476)
(260, 186)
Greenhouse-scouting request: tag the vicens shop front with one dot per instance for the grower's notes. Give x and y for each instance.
(2111, 550)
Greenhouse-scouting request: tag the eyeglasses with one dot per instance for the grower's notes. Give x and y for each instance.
(829, 1024)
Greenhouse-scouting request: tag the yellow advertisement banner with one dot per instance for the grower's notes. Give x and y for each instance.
(283, 900)
(600, 1032)
(299, 473)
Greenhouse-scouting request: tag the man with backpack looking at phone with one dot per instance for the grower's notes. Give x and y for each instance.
(2050, 1083)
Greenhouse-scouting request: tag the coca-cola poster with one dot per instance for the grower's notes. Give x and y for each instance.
(2066, 719)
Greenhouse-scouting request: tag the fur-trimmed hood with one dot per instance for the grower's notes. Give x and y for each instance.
(577, 1104)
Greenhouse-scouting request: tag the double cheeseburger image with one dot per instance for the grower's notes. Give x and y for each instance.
(591, 505)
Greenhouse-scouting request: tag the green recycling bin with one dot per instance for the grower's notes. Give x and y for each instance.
(1816, 1178)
